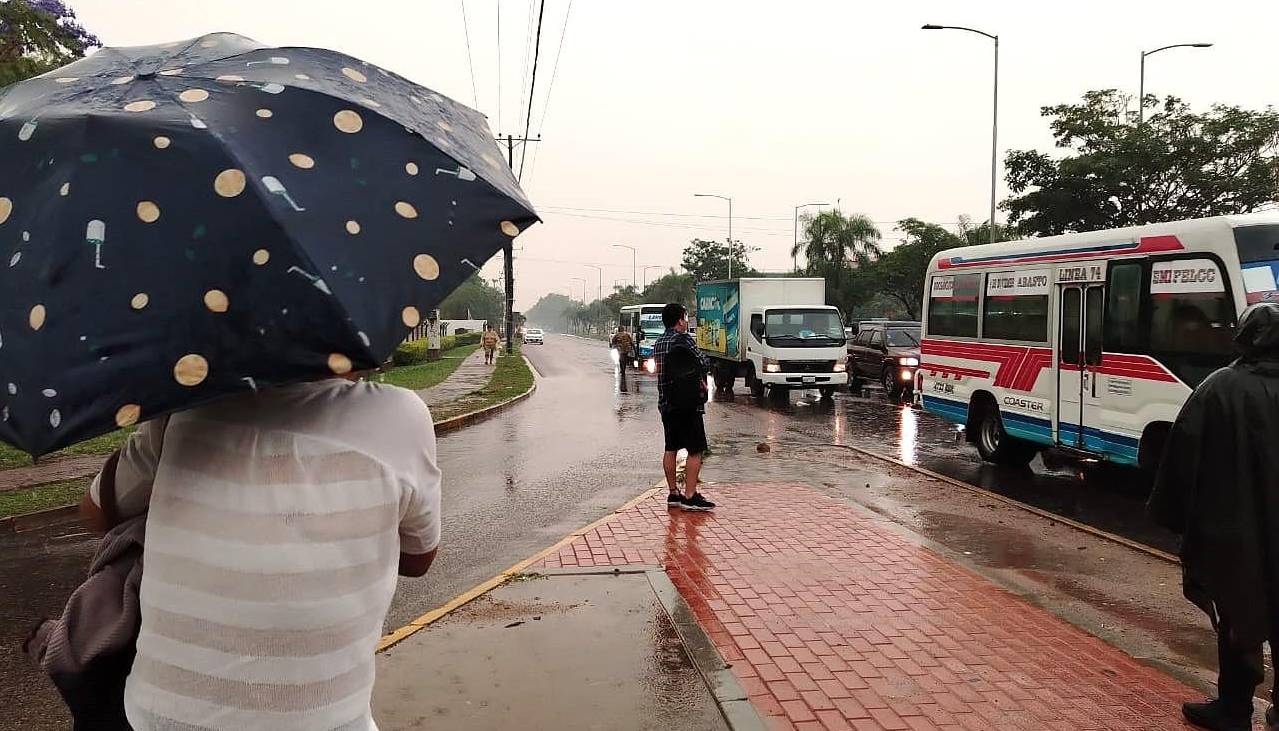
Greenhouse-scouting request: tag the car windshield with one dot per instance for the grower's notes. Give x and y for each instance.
(903, 337)
(803, 328)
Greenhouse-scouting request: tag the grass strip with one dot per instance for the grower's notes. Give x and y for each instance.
(42, 497)
(425, 375)
(510, 378)
(105, 444)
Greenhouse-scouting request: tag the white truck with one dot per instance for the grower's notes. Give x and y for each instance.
(790, 339)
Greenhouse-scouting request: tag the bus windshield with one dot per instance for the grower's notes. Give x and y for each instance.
(800, 328)
(1259, 257)
(651, 323)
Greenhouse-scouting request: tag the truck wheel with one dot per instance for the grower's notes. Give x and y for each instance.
(828, 392)
(756, 385)
(854, 383)
(996, 446)
(888, 379)
(725, 379)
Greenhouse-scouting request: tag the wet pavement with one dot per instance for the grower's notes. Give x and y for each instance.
(555, 652)
(578, 448)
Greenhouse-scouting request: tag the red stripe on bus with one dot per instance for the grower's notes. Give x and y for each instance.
(955, 370)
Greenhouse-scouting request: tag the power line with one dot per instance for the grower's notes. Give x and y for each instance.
(532, 87)
(528, 48)
(550, 89)
(675, 214)
(499, 65)
(475, 96)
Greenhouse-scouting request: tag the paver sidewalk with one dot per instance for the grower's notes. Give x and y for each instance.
(471, 376)
(834, 619)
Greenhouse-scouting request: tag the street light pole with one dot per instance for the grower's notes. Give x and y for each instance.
(1141, 87)
(994, 124)
(730, 225)
(583, 281)
(646, 268)
(794, 252)
(599, 269)
(634, 279)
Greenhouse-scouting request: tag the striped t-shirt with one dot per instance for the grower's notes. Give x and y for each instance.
(274, 530)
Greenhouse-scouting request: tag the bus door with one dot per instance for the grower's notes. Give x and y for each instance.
(1079, 352)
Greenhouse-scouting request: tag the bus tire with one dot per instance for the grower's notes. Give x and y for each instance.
(994, 444)
(756, 386)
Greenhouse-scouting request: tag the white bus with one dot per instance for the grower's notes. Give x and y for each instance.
(1088, 342)
(644, 322)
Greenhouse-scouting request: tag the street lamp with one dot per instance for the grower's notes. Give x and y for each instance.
(1141, 93)
(599, 269)
(795, 249)
(634, 280)
(583, 281)
(646, 268)
(730, 225)
(994, 123)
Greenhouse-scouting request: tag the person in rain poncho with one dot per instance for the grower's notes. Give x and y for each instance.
(1218, 486)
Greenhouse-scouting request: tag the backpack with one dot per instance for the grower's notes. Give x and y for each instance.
(685, 385)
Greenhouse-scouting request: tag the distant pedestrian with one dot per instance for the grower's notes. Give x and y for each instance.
(276, 523)
(681, 399)
(489, 341)
(624, 344)
(1218, 485)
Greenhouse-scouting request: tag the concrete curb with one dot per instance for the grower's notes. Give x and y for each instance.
(457, 422)
(38, 519)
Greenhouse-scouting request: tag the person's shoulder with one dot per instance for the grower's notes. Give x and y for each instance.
(390, 402)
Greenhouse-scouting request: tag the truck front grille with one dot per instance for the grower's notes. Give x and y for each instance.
(808, 366)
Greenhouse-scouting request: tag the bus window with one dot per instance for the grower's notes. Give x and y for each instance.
(1124, 333)
(1071, 319)
(1017, 306)
(1192, 318)
(952, 305)
(1093, 306)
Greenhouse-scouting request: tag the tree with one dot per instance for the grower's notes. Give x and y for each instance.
(38, 36)
(553, 312)
(708, 260)
(900, 274)
(980, 234)
(671, 287)
(1177, 164)
(475, 299)
(834, 242)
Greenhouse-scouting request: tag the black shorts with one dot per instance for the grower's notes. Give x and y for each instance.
(684, 431)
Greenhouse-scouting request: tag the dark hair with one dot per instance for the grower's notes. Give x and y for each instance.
(672, 313)
(621, 328)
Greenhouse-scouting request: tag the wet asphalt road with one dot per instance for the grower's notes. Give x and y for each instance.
(570, 454)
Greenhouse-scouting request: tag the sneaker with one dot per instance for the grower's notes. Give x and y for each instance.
(674, 500)
(697, 502)
(1213, 715)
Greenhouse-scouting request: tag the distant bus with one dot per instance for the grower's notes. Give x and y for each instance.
(644, 322)
(1088, 342)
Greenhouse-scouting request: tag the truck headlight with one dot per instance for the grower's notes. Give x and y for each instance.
(840, 366)
(772, 366)
(912, 362)
(650, 365)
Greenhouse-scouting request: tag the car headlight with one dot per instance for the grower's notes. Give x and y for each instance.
(772, 366)
(912, 362)
(906, 375)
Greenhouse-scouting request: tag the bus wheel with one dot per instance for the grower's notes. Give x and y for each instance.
(996, 446)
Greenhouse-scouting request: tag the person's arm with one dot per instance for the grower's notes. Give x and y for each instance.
(420, 502)
(128, 476)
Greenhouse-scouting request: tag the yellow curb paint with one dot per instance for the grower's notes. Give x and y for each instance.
(483, 588)
(1127, 542)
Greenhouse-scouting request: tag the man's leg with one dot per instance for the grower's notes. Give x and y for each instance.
(1239, 672)
(692, 467)
(668, 466)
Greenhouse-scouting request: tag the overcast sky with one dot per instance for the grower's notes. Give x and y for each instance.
(774, 104)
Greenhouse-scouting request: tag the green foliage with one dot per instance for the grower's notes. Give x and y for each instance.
(671, 287)
(409, 352)
(474, 299)
(471, 338)
(900, 274)
(511, 377)
(708, 260)
(41, 497)
(38, 36)
(839, 249)
(553, 312)
(1177, 165)
(424, 375)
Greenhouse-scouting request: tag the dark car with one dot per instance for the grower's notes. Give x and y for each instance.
(886, 352)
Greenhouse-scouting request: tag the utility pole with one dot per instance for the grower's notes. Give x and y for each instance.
(634, 279)
(508, 251)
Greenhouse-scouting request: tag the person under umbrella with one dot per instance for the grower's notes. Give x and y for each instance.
(269, 229)
(1218, 486)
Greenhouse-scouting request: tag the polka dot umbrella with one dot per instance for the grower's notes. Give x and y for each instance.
(192, 220)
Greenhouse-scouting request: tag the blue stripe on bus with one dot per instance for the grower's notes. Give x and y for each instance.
(954, 411)
(1119, 447)
(1030, 428)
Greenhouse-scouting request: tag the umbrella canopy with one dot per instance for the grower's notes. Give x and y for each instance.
(187, 221)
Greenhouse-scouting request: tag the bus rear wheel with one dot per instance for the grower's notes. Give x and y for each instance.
(994, 444)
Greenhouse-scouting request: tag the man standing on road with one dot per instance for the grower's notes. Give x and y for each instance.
(489, 341)
(681, 398)
(1218, 485)
(624, 344)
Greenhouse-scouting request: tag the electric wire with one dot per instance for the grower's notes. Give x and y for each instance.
(532, 88)
(466, 28)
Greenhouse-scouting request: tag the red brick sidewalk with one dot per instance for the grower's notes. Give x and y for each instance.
(833, 620)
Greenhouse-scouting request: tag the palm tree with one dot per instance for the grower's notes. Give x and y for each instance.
(834, 242)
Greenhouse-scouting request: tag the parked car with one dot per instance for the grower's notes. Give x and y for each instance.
(886, 352)
(533, 336)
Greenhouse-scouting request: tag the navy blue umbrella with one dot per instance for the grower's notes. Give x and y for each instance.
(187, 221)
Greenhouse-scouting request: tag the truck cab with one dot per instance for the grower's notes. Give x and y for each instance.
(795, 346)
